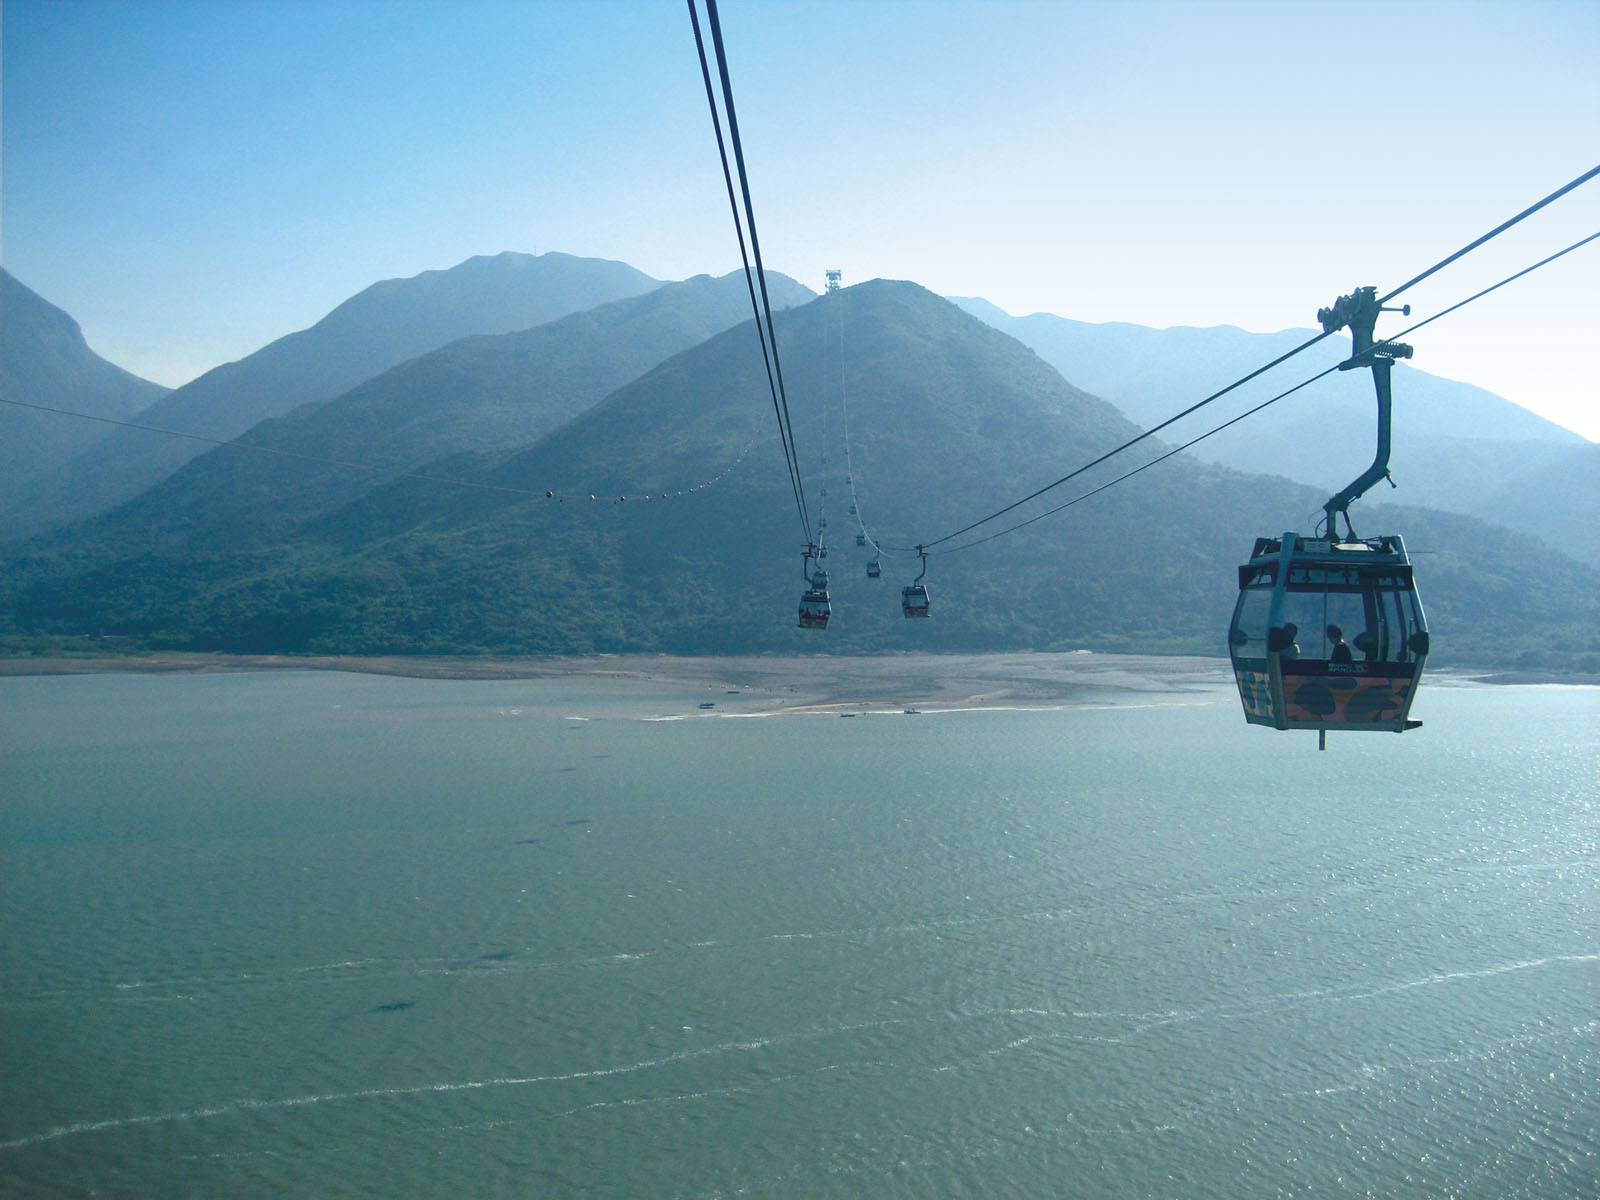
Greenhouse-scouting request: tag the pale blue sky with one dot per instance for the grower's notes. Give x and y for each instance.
(191, 180)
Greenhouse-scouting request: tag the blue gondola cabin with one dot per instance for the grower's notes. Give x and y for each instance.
(1328, 635)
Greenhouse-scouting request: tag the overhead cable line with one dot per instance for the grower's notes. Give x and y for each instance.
(836, 315)
(1131, 442)
(1050, 512)
(1495, 286)
(744, 257)
(765, 329)
(1306, 345)
(1495, 232)
(1250, 412)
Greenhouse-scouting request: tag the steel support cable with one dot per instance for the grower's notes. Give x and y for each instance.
(785, 431)
(1129, 444)
(1266, 403)
(1473, 245)
(1144, 466)
(1495, 232)
(844, 419)
(1494, 286)
(822, 446)
(738, 226)
(755, 249)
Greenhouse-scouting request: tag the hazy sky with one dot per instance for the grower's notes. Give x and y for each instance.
(192, 180)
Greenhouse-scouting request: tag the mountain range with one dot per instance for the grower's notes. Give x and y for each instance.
(1455, 447)
(383, 326)
(611, 479)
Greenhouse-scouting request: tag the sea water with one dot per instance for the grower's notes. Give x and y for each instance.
(335, 935)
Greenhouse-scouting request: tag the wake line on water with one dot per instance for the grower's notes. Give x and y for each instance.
(1340, 995)
(236, 1107)
(289, 1102)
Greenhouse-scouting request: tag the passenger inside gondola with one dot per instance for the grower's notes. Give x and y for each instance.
(1339, 649)
(1292, 648)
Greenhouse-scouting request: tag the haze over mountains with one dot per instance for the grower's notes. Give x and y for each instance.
(487, 392)
(383, 326)
(1455, 447)
(45, 361)
(659, 394)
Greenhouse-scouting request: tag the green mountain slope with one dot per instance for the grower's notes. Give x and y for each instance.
(948, 418)
(44, 360)
(381, 327)
(482, 393)
(1559, 502)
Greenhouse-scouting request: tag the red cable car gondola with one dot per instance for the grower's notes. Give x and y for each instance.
(815, 607)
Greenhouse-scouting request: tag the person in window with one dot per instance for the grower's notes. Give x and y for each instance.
(1340, 652)
(1293, 649)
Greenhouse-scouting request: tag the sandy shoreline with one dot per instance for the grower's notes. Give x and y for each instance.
(767, 683)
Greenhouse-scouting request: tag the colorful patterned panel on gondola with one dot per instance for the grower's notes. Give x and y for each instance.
(1338, 699)
(1255, 690)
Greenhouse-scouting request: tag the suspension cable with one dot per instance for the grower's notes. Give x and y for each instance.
(834, 319)
(1266, 403)
(765, 332)
(1495, 232)
(1558, 193)
(1131, 442)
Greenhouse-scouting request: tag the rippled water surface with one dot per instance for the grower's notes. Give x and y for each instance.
(311, 934)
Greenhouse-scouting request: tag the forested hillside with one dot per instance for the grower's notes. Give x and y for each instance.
(485, 393)
(670, 525)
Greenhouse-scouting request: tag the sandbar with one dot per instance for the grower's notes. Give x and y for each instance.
(768, 684)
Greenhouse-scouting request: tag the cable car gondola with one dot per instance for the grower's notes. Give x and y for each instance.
(914, 597)
(815, 607)
(873, 569)
(1301, 597)
(861, 539)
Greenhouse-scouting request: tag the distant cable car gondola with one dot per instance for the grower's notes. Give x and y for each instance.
(1300, 598)
(861, 539)
(815, 607)
(873, 569)
(914, 597)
